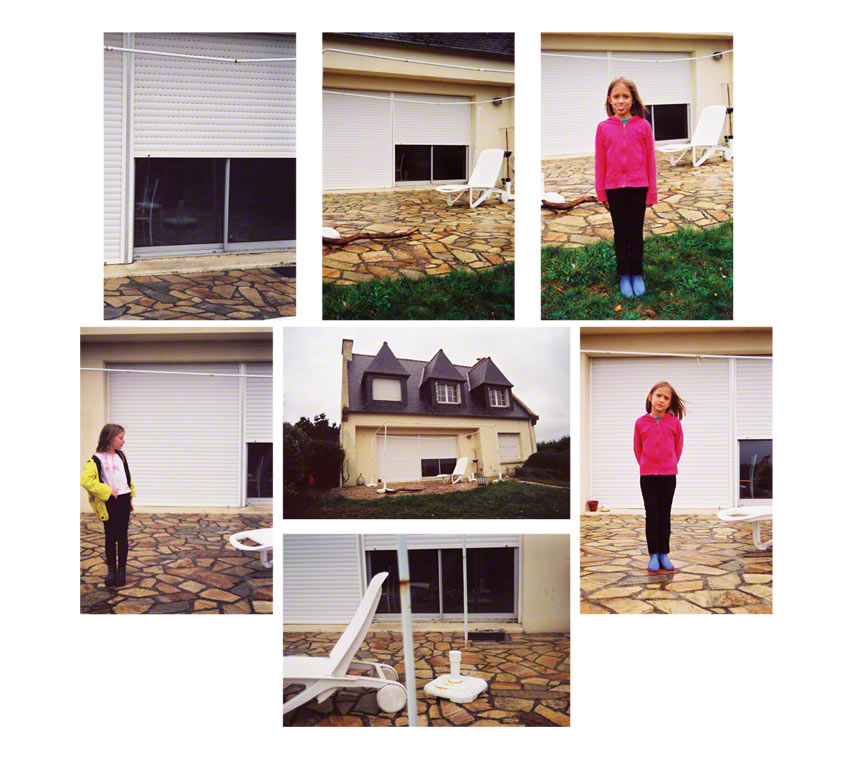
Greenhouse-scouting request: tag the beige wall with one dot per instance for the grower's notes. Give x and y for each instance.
(545, 583)
(101, 346)
(477, 439)
(746, 341)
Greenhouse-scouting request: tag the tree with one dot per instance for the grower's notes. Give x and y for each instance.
(319, 428)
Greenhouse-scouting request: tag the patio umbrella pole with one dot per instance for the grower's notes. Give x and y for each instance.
(407, 629)
(465, 608)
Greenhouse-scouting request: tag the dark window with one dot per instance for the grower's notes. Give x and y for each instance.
(449, 162)
(424, 580)
(489, 580)
(669, 122)
(262, 199)
(430, 163)
(756, 469)
(433, 467)
(260, 471)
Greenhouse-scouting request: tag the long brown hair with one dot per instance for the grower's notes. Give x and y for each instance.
(637, 103)
(677, 403)
(109, 431)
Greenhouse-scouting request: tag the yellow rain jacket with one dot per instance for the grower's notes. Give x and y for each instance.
(99, 492)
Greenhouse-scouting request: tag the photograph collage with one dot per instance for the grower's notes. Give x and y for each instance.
(543, 378)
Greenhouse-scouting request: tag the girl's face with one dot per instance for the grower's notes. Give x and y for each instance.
(117, 442)
(660, 400)
(621, 101)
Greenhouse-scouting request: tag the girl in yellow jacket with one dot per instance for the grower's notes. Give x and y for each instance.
(106, 477)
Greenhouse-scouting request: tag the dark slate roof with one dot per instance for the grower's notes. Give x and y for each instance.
(491, 45)
(359, 364)
(385, 363)
(440, 368)
(487, 372)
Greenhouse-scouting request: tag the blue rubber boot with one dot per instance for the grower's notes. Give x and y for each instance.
(638, 285)
(626, 286)
(653, 565)
(665, 562)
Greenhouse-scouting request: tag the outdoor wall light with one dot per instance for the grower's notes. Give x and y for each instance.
(497, 102)
(717, 56)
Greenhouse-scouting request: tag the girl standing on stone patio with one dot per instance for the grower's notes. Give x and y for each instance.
(658, 443)
(106, 477)
(625, 178)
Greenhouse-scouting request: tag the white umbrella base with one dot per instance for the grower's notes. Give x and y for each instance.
(465, 690)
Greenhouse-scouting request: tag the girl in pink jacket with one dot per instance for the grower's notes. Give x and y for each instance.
(658, 447)
(625, 178)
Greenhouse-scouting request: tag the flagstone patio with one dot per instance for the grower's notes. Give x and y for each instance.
(178, 563)
(449, 237)
(718, 570)
(528, 680)
(686, 196)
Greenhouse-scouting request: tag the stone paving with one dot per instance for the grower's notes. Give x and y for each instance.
(449, 237)
(718, 570)
(234, 294)
(528, 680)
(686, 196)
(181, 563)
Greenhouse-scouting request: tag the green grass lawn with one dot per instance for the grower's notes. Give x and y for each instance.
(688, 275)
(506, 500)
(461, 294)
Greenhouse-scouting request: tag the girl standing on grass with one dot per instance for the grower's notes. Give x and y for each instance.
(106, 477)
(625, 178)
(658, 447)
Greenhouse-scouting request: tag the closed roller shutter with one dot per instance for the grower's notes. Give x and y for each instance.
(186, 107)
(423, 123)
(618, 394)
(754, 383)
(113, 147)
(259, 412)
(658, 83)
(183, 433)
(387, 541)
(322, 578)
(357, 141)
(400, 461)
(509, 446)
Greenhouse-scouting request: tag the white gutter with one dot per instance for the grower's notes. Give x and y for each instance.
(167, 372)
(411, 60)
(687, 356)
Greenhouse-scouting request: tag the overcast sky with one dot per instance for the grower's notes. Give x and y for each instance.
(535, 359)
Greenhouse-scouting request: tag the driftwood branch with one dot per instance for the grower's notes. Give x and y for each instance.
(569, 204)
(368, 236)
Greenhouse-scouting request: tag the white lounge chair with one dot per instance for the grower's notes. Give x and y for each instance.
(484, 179)
(550, 197)
(750, 514)
(263, 538)
(460, 470)
(707, 138)
(322, 676)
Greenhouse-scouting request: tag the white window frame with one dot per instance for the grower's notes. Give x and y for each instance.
(445, 387)
(497, 395)
(391, 392)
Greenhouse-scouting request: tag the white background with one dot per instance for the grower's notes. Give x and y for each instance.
(642, 686)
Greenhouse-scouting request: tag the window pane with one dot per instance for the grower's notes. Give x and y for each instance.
(670, 122)
(178, 201)
(756, 477)
(449, 162)
(430, 468)
(260, 470)
(447, 466)
(413, 163)
(489, 580)
(424, 580)
(262, 200)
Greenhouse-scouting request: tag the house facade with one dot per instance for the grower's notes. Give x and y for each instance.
(409, 420)
(674, 91)
(199, 144)
(522, 579)
(725, 377)
(413, 109)
(196, 405)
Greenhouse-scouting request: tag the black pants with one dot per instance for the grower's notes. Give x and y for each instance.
(115, 529)
(658, 493)
(628, 208)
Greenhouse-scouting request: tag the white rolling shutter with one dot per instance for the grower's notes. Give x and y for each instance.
(113, 147)
(357, 149)
(385, 541)
(573, 102)
(322, 578)
(437, 447)
(618, 394)
(401, 461)
(509, 446)
(259, 409)
(754, 383)
(183, 433)
(386, 389)
(422, 123)
(657, 83)
(187, 107)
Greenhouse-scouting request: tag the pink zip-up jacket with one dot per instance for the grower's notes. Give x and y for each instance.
(625, 157)
(658, 444)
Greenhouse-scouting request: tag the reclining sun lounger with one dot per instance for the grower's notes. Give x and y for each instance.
(322, 676)
(750, 514)
(460, 470)
(551, 197)
(484, 178)
(707, 137)
(262, 538)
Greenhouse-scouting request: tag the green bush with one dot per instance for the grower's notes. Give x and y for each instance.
(550, 460)
(294, 471)
(326, 463)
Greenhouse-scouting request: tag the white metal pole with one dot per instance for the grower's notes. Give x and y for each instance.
(407, 628)
(465, 602)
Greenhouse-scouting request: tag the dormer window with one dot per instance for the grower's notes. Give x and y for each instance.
(497, 396)
(386, 389)
(448, 393)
